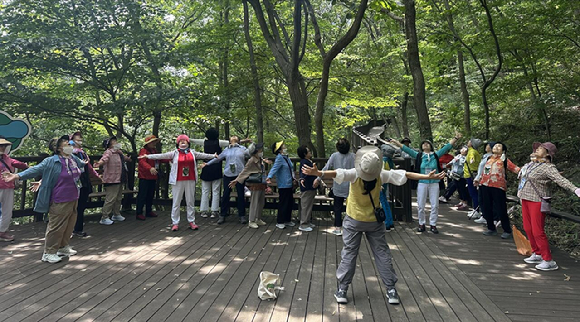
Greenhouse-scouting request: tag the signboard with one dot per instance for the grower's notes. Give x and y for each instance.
(14, 130)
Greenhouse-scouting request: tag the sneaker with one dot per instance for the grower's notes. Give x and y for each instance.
(204, 214)
(388, 228)
(463, 208)
(421, 228)
(174, 228)
(547, 266)
(311, 225)
(152, 214)
(243, 220)
(6, 237)
(433, 230)
(393, 296)
(506, 235)
(140, 217)
(497, 223)
(290, 224)
(458, 205)
(51, 258)
(481, 220)
(304, 228)
(106, 221)
(443, 199)
(340, 297)
(193, 226)
(280, 226)
(260, 222)
(221, 220)
(337, 232)
(66, 251)
(534, 259)
(474, 214)
(118, 218)
(490, 232)
(214, 214)
(80, 234)
(253, 224)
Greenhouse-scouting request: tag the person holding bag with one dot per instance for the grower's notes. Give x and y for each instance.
(365, 215)
(535, 194)
(283, 170)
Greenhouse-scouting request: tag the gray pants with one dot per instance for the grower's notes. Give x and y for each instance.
(306, 203)
(257, 201)
(352, 231)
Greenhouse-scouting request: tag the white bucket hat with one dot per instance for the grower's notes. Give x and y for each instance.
(368, 163)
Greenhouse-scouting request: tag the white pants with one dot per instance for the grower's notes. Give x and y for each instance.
(181, 187)
(7, 202)
(431, 190)
(214, 188)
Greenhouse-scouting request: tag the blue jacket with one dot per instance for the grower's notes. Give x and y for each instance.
(49, 169)
(428, 161)
(281, 169)
(235, 156)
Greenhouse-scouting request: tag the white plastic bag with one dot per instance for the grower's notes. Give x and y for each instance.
(269, 283)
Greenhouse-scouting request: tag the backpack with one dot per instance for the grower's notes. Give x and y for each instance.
(417, 169)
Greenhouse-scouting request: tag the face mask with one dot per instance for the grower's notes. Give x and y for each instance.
(183, 146)
(117, 146)
(284, 151)
(261, 154)
(67, 150)
(79, 143)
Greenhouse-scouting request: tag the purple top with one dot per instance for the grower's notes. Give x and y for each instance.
(66, 188)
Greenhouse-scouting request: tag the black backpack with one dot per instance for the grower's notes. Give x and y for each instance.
(417, 169)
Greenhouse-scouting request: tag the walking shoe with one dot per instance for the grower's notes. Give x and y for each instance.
(534, 259)
(547, 266)
(393, 296)
(253, 224)
(280, 226)
(66, 251)
(474, 214)
(214, 214)
(421, 228)
(243, 220)
(497, 223)
(434, 230)
(106, 221)
(152, 214)
(304, 228)
(481, 220)
(193, 226)
(490, 232)
(463, 208)
(221, 220)
(140, 217)
(387, 228)
(458, 205)
(311, 225)
(51, 258)
(204, 214)
(6, 237)
(290, 224)
(506, 235)
(443, 199)
(260, 222)
(174, 227)
(337, 232)
(118, 218)
(340, 296)
(80, 234)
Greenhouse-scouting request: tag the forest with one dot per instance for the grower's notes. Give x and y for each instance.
(305, 71)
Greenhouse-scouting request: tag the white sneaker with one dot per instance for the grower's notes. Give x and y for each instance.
(547, 266)
(290, 224)
(442, 199)
(305, 228)
(66, 251)
(481, 220)
(51, 258)
(337, 232)
(474, 214)
(534, 259)
(118, 218)
(280, 226)
(252, 224)
(311, 225)
(106, 221)
(260, 222)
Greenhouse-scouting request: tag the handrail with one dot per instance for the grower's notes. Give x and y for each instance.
(555, 214)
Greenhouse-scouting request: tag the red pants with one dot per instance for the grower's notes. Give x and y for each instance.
(534, 221)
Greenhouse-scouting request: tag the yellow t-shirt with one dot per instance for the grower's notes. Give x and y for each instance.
(359, 206)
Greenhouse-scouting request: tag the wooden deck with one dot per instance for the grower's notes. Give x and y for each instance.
(141, 271)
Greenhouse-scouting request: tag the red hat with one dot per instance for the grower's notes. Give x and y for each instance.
(182, 137)
(549, 146)
(149, 139)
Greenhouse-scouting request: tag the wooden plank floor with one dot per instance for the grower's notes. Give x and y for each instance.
(141, 271)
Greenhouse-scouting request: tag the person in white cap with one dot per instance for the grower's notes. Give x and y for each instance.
(363, 215)
(7, 164)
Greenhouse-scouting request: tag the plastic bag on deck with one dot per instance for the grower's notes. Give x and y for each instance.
(269, 284)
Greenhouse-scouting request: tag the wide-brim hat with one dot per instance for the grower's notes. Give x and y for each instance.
(149, 139)
(549, 146)
(277, 146)
(3, 141)
(368, 163)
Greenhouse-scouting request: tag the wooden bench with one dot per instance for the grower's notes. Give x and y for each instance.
(555, 214)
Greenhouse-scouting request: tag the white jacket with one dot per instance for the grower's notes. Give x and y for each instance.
(174, 156)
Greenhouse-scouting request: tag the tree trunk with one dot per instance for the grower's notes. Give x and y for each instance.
(299, 100)
(225, 67)
(404, 119)
(255, 79)
(464, 93)
(320, 101)
(416, 71)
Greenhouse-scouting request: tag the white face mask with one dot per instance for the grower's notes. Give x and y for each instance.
(79, 143)
(183, 146)
(284, 151)
(261, 154)
(67, 150)
(117, 146)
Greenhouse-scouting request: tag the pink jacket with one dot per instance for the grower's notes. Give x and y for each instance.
(12, 163)
(112, 166)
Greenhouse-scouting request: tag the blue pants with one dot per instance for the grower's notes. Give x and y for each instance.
(386, 206)
(473, 193)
